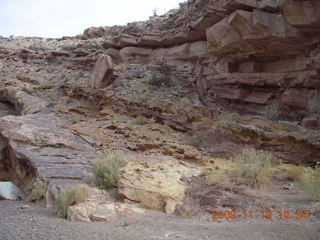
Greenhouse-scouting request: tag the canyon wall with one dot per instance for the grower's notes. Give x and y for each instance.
(244, 54)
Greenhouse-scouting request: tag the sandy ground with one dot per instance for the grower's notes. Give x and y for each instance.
(35, 223)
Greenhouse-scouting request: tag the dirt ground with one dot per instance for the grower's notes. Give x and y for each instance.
(35, 223)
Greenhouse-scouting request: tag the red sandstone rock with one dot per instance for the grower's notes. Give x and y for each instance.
(311, 122)
(102, 75)
(305, 15)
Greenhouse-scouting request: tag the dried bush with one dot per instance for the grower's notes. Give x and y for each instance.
(254, 167)
(108, 170)
(218, 178)
(310, 181)
(69, 197)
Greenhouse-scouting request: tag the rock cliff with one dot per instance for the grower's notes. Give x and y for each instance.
(244, 54)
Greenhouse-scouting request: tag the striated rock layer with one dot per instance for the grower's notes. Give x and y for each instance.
(243, 52)
(37, 152)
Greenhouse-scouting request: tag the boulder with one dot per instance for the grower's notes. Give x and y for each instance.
(9, 191)
(102, 75)
(156, 186)
(99, 207)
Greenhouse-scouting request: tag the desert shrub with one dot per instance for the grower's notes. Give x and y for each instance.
(310, 181)
(108, 170)
(69, 197)
(308, 178)
(314, 104)
(294, 173)
(271, 111)
(254, 167)
(38, 191)
(218, 178)
(159, 80)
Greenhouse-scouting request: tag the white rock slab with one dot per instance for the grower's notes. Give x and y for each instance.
(9, 191)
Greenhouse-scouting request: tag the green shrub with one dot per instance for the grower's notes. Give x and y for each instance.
(253, 167)
(107, 171)
(159, 80)
(69, 197)
(271, 111)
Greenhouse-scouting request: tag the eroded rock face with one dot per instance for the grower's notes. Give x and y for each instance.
(99, 207)
(38, 147)
(231, 52)
(102, 74)
(23, 102)
(157, 186)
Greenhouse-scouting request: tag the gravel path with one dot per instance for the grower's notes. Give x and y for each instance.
(37, 223)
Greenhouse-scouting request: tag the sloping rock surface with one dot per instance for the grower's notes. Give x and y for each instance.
(38, 147)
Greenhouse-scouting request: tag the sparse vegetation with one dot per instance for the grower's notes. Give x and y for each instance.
(314, 104)
(38, 191)
(155, 12)
(218, 178)
(253, 167)
(69, 197)
(196, 140)
(271, 111)
(141, 120)
(310, 181)
(159, 80)
(294, 173)
(108, 170)
(308, 178)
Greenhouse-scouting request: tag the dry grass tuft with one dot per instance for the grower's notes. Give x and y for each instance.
(71, 196)
(218, 178)
(310, 181)
(308, 178)
(254, 168)
(107, 171)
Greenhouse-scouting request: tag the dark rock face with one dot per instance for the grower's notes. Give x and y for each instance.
(38, 147)
(241, 52)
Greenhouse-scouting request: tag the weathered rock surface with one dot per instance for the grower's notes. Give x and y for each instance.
(102, 74)
(156, 186)
(23, 102)
(232, 52)
(101, 212)
(37, 147)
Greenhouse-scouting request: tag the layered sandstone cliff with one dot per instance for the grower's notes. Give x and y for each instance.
(244, 53)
